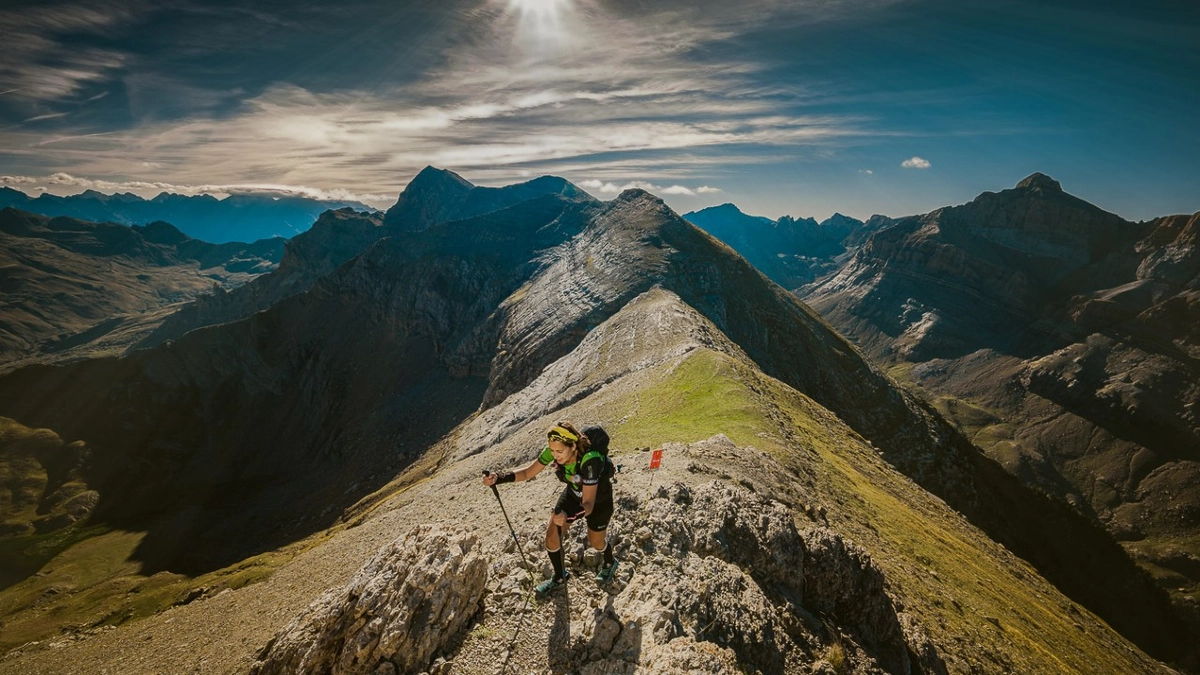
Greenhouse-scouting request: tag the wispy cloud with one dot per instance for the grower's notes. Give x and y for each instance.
(614, 97)
(915, 163)
(47, 116)
(38, 64)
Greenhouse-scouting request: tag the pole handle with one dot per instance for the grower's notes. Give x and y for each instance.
(493, 485)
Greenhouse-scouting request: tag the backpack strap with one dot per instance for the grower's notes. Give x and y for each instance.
(592, 454)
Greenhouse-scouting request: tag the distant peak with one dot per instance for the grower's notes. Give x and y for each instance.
(432, 175)
(1040, 180)
(636, 195)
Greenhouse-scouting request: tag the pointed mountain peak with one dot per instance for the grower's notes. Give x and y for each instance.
(433, 177)
(637, 195)
(1041, 181)
(727, 207)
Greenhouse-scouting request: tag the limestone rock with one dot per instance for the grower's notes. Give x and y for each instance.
(401, 608)
(727, 571)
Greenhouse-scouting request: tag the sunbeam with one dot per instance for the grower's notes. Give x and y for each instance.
(542, 25)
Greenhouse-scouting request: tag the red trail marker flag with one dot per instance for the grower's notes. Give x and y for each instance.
(656, 459)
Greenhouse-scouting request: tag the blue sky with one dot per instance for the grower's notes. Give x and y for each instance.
(800, 108)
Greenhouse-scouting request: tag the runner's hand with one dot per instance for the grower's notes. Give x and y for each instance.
(490, 479)
(559, 518)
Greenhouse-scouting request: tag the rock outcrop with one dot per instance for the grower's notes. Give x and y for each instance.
(722, 564)
(720, 579)
(403, 607)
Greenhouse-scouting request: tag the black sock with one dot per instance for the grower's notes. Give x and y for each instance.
(608, 558)
(556, 559)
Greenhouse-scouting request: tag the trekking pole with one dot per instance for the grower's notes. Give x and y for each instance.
(511, 530)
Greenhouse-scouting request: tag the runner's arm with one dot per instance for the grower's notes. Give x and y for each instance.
(532, 469)
(589, 499)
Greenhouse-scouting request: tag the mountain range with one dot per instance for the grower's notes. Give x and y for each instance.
(73, 289)
(238, 217)
(791, 251)
(1063, 339)
(288, 427)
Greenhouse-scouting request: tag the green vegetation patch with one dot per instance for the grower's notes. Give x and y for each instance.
(703, 395)
(94, 582)
(949, 574)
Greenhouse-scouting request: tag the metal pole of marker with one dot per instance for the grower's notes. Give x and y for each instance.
(655, 463)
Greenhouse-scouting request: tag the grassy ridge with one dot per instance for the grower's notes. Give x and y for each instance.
(967, 591)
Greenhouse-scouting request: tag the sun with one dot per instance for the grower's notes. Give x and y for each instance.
(542, 9)
(541, 23)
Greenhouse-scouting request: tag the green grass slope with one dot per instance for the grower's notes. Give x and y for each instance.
(987, 610)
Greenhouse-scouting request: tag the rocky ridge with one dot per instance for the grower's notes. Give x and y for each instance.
(433, 197)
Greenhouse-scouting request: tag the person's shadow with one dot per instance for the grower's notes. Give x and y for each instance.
(558, 647)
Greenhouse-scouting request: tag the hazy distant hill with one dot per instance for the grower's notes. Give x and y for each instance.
(238, 217)
(1064, 339)
(450, 338)
(73, 288)
(792, 252)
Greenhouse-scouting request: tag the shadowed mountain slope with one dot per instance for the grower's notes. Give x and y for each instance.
(241, 437)
(1063, 339)
(434, 196)
(304, 407)
(71, 288)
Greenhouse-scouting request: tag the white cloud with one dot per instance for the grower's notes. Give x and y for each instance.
(614, 188)
(915, 162)
(678, 190)
(65, 184)
(867, 172)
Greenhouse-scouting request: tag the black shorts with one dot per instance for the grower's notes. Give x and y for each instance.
(572, 505)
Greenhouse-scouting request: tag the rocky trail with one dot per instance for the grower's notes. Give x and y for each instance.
(701, 560)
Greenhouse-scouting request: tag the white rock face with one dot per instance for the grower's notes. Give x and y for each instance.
(402, 607)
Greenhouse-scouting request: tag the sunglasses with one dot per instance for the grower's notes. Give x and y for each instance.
(555, 436)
